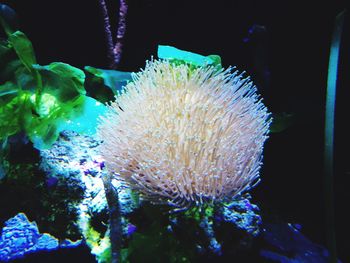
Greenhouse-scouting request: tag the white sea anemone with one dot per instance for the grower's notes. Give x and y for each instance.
(186, 136)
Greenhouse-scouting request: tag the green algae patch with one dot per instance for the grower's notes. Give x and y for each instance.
(41, 101)
(181, 56)
(104, 84)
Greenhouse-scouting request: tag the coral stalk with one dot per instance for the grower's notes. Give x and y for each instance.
(108, 32)
(115, 226)
(114, 47)
(114, 55)
(117, 50)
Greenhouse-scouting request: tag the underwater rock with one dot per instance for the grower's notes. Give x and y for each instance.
(241, 213)
(20, 237)
(291, 246)
(239, 221)
(207, 225)
(221, 229)
(74, 159)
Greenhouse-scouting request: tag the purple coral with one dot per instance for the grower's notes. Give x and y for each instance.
(114, 46)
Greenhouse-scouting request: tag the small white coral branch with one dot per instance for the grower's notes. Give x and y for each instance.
(186, 136)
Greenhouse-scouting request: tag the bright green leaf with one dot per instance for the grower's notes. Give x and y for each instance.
(111, 78)
(23, 48)
(43, 130)
(103, 84)
(175, 54)
(11, 113)
(216, 60)
(61, 80)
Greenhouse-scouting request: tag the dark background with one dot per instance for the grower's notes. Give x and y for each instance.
(295, 52)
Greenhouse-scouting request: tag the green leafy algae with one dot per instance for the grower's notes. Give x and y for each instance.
(179, 56)
(40, 100)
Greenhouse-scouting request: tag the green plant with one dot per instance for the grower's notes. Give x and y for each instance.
(35, 99)
(39, 101)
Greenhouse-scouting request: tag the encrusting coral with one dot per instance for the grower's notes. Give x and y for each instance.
(184, 136)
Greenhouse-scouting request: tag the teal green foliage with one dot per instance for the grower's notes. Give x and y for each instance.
(23, 48)
(62, 81)
(87, 121)
(104, 84)
(96, 87)
(35, 99)
(178, 56)
(62, 99)
(17, 83)
(39, 100)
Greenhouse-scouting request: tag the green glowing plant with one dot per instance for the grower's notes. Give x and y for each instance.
(39, 101)
(35, 99)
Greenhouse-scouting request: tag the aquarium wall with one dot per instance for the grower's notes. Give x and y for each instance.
(173, 131)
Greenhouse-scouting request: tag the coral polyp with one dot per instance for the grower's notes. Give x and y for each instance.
(186, 135)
